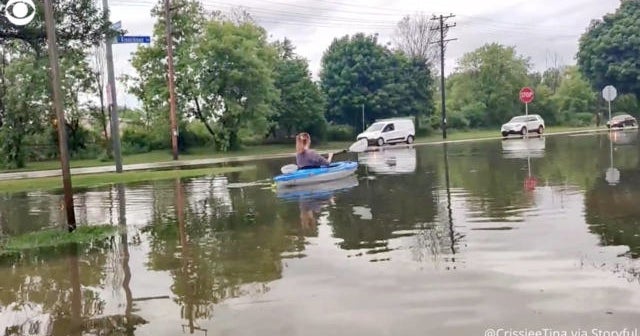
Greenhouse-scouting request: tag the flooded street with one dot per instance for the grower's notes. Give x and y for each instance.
(426, 240)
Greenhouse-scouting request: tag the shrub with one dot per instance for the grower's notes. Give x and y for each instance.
(341, 133)
(424, 131)
(194, 134)
(581, 119)
(135, 140)
(457, 120)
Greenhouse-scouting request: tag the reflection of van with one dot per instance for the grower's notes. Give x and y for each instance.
(391, 161)
(390, 131)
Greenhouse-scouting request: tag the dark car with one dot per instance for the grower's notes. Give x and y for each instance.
(622, 121)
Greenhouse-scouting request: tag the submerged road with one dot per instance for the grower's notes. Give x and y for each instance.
(230, 159)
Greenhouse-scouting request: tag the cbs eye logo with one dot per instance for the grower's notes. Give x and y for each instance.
(17, 11)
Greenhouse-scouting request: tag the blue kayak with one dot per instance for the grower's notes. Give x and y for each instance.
(320, 191)
(332, 172)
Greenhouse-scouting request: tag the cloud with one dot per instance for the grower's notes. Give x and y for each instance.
(538, 29)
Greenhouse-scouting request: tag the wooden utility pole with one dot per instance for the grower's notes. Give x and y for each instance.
(61, 122)
(113, 102)
(443, 29)
(172, 93)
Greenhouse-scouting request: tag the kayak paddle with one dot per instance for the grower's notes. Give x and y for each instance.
(357, 147)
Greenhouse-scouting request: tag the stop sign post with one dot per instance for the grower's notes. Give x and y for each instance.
(526, 97)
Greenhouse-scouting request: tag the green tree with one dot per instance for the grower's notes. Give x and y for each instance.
(236, 80)
(356, 70)
(150, 83)
(415, 87)
(552, 77)
(626, 103)
(544, 105)
(301, 106)
(25, 104)
(87, 28)
(608, 50)
(574, 94)
(486, 85)
(224, 73)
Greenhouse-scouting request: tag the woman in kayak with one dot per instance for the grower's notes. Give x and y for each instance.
(306, 157)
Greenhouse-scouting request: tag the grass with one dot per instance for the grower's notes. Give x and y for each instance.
(53, 238)
(96, 180)
(455, 135)
(165, 155)
(208, 153)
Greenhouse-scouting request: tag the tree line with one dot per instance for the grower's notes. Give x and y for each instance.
(234, 86)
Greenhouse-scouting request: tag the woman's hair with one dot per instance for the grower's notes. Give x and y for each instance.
(303, 140)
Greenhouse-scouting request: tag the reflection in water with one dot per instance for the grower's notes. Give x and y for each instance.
(390, 160)
(612, 204)
(625, 137)
(453, 245)
(524, 148)
(313, 198)
(612, 175)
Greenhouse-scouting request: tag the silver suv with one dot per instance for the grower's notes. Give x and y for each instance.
(523, 124)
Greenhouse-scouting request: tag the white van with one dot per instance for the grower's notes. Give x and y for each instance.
(389, 131)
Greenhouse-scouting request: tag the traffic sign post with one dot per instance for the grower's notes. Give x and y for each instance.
(133, 39)
(609, 93)
(526, 97)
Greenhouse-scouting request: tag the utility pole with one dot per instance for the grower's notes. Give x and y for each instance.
(113, 102)
(172, 93)
(61, 122)
(443, 28)
(363, 117)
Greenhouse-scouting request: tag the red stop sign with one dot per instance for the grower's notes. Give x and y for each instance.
(526, 95)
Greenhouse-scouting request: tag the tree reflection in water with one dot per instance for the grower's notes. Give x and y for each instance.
(214, 255)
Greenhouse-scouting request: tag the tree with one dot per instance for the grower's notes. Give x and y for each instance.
(87, 28)
(150, 83)
(608, 49)
(544, 105)
(626, 103)
(223, 70)
(25, 104)
(301, 105)
(487, 83)
(574, 94)
(357, 70)
(235, 80)
(98, 85)
(415, 35)
(415, 86)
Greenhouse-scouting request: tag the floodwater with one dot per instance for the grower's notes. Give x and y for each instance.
(521, 235)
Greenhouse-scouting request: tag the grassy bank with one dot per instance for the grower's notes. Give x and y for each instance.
(208, 153)
(53, 238)
(454, 135)
(165, 155)
(96, 180)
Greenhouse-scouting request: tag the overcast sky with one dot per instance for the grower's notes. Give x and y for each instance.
(539, 29)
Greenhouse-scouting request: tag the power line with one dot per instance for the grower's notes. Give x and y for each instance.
(277, 13)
